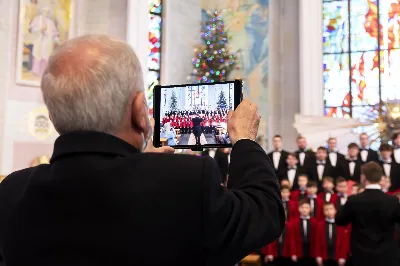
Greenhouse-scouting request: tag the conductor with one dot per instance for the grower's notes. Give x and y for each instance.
(197, 128)
(373, 215)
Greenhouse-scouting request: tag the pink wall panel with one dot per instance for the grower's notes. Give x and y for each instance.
(25, 152)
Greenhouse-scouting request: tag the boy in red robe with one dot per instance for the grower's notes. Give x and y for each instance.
(328, 186)
(290, 206)
(340, 197)
(301, 233)
(301, 193)
(278, 252)
(315, 202)
(332, 241)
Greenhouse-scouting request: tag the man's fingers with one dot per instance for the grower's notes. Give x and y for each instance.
(152, 123)
(166, 149)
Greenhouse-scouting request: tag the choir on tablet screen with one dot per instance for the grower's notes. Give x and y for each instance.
(314, 186)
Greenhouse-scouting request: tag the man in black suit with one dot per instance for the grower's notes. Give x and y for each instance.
(319, 168)
(373, 215)
(350, 168)
(396, 148)
(278, 156)
(334, 157)
(197, 130)
(221, 158)
(101, 201)
(390, 168)
(366, 153)
(303, 154)
(291, 172)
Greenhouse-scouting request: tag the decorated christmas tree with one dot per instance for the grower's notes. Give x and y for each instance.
(213, 62)
(221, 103)
(174, 102)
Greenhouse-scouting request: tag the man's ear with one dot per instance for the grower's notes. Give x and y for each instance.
(139, 116)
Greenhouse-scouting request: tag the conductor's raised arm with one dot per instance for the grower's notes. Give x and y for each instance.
(250, 214)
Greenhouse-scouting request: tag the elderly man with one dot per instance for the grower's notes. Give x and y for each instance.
(103, 200)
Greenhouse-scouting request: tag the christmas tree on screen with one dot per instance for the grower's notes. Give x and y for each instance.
(221, 103)
(213, 62)
(174, 102)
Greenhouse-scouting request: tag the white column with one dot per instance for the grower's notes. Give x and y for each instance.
(137, 31)
(311, 81)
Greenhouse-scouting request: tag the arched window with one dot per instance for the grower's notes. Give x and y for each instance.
(155, 43)
(361, 63)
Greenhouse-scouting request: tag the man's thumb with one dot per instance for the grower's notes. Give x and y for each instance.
(230, 114)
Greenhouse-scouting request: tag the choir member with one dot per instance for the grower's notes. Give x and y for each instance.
(301, 192)
(292, 171)
(354, 189)
(285, 183)
(278, 156)
(290, 206)
(396, 147)
(328, 189)
(340, 197)
(333, 155)
(385, 184)
(278, 252)
(302, 236)
(390, 168)
(332, 241)
(350, 168)
(316, 203)
(318, 168)
(366, 153)
(303, 154)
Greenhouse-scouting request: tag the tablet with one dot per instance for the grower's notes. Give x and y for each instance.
(194, 116)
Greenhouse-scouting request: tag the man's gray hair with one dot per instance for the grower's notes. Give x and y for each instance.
(88, 83)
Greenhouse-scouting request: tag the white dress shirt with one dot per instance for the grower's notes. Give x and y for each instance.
(320, 169)
(333, 158)
(276, 156)
(352, 166)
(364, 155)
(302, 156)
(328, 196)
(387, 166)
(396, 155)
(291, 176)
(373, 186)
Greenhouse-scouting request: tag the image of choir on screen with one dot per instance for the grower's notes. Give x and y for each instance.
(195, 115)
(315, 185)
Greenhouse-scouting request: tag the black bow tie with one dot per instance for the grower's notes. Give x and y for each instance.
(363, 149)
(386, 163)
(301, 151)
(292, 168)
(330, 223)
(352, 161)
(396, 147)
(320, 163)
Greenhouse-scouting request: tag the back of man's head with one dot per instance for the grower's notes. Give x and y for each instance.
(89, 82)
(373, 172)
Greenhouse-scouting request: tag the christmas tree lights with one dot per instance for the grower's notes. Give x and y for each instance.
(213, 62)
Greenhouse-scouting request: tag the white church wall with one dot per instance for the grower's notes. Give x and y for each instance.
(19, 143)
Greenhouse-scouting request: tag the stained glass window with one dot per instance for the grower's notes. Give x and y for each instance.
(154, 48)
(361, 62)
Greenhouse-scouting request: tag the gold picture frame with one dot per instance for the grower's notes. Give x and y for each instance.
(43, 25)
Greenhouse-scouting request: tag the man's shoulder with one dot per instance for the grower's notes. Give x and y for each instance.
(19, 179)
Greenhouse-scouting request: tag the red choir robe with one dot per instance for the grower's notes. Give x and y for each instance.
(336, 201)
(295, 195)
(291, 209)
(280, 247)
(323, 197)
(393, 192)
(342, 242)
(295, 238)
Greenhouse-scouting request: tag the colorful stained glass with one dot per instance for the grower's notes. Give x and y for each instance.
(336, 80)
(338, 112)
(154, 42)
(390, 74)
(364, 25)
(155, 6)
(153, 79)
(389, 12)
(365, 78)
(335, 27)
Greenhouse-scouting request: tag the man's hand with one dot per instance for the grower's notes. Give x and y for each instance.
(150, 147)
(294, 258)
(342, 262)
(243, 123)
(319, 261)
